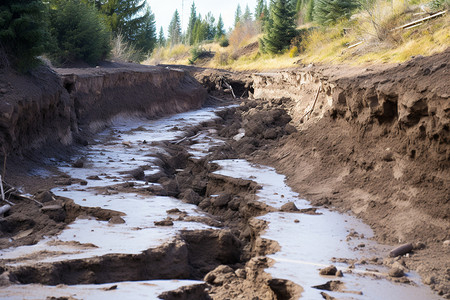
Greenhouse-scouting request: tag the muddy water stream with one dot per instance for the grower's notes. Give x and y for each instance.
(308, 242)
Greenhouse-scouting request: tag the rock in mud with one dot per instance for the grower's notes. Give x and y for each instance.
(44, 196)
(137, 174)
(116, 220)
(396, 272)
(220, 275)
(401, 250)
(93, 177)
(79, 163)
(164, 223)
(289, 207)
(55, 212)
(221, 200)
(330, 270)
(191, 197)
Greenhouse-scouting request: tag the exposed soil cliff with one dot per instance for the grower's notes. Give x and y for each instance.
(48, 107)
(376, 142)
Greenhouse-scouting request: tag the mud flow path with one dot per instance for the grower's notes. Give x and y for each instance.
(157, 243)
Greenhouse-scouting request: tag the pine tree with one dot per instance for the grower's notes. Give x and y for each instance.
(161, 38)
(220, 31)
(237, 15)
(260, 9)
(328, 12)
(123, 16)
(23, 32)
(146, 35)
(310, 11)
(190, 29)
(211, 28)
(175, 29)
(247, 16)
(281, 27)
(298, 6)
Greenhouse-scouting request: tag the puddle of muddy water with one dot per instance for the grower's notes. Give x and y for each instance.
(122, 147)
(123, 290)
(310, 242)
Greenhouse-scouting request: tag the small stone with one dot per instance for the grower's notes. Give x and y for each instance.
(79, 163)
(339, 273)
(164, 223)
(331, 270)
(429, 280)
(93, 177)
(296, 221)
(83, 182)
(241, 273)
(396, 272)
(116, 220)
(289, 207)
(446, 243)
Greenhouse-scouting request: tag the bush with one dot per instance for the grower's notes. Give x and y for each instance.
(440, 4)
(197, 52)
(293, 52)
(125, 51)
(328, 12)
(79, 33)
(224, 42)
(23, 32)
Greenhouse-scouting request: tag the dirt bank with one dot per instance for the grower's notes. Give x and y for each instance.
(377, 144)
(57, 107)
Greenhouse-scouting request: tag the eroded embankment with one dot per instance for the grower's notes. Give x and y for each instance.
(57, 108)
(376, 143)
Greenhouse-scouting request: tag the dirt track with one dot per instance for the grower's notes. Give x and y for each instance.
(381, 151)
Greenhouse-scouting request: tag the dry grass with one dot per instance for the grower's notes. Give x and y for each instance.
(380, 44)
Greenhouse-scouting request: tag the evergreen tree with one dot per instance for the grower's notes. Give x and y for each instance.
(146, 35)
(310, 11)
(328, 12)
(220, 31)
(237, 15)
(281, 27)
(23, 32)
(161, 38)
(123, 16)
(247, 16)
(209, 24)
(298, 6)
(260, 9)
(190, 29)
(78, 32)
(175, 29)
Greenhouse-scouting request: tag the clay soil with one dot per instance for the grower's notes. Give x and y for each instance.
(366, 167)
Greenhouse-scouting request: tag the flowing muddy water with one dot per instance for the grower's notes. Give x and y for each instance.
(308, 242)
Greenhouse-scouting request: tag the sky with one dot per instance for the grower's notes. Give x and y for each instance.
(164, 9)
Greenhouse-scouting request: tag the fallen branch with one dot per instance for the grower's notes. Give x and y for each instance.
(1, 187)
(24, 197)
(412, 24)
(185, 138)
(354, 45)
(4, 209)
(314, 104)
(228, 86)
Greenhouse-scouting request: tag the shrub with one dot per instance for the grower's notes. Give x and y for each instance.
(293, 52)
(196, 53)
(23, 32)
(223, 42)
(440, 4)
(124, 51)
(328, 12)
(79, 33)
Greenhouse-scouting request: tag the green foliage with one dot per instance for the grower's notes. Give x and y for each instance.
(259, 11)
(175, 29)
(224, 42)
(23, 32)
(78, 32)
(237, 15)
(310, 11)
(293, 52)
(196, 53)
(440, 4)
(161, 38)
(145, 39)
(281, 27)
(220, 31)
(191, 25)
(123, 16)
(328, 12)
(247, 16)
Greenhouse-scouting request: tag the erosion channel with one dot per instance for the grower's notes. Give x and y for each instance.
(191, 206)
